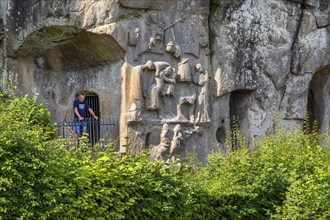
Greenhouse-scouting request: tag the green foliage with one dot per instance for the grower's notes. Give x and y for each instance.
(286, 176)
(24, 129)
(130, 187)
(40, 179)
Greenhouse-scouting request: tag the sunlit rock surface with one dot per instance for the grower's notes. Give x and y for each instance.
(258, 61)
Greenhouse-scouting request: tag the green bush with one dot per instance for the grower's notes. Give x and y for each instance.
(131, 187)
(286, 176)
(25, 129)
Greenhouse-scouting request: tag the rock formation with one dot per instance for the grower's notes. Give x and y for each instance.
(192, 65)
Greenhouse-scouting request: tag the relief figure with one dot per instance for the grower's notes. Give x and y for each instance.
(170, 144)
(157, 30)
(136, 90)
(161, 151)
(184, 73)
(133, 37)
(190, 100)
(133, 41)
(170, 82)
(177, 141)
(202, 100)
(161, 76)
(175, 49)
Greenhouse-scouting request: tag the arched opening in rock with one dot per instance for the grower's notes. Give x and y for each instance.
(93, 128)
(238, 110)
(147, 142)
(94, 102)
(221, 135)
(318, 107)
(71, 48)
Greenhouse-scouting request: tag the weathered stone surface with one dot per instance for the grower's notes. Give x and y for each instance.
(294, 103)
(311, 52)
(211, 60)
(146, 4)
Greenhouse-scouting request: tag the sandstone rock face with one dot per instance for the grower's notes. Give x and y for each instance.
(176, 73)
(270, 50)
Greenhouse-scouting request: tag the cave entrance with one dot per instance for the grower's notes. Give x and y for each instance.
(318, 106)
(238, 105)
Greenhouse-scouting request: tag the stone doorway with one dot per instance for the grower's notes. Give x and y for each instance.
(318, 107)
(239, 118)
(94, 127)
(94, 103)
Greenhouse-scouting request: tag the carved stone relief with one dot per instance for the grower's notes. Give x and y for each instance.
(172, 89)
(133, 41)
(133, 37)
(161, 77)
(184, 72)
(187, 105)
(155, 30)
(161, 151)
(188, 39)
(175, 49)
(187, 100)
(135, 89)
(177, 140)
(172, 141)
(203, 102)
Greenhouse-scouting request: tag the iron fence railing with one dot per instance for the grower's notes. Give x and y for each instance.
(105, 130)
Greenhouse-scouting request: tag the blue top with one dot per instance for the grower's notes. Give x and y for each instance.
(82, 108)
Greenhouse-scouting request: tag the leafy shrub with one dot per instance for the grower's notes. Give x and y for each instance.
(286, 177)
(25, 128)
(40, 179)
(131, 187)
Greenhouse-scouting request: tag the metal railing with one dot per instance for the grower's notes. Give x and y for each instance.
(105, 130)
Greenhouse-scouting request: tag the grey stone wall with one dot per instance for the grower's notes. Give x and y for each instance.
(212, 61)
